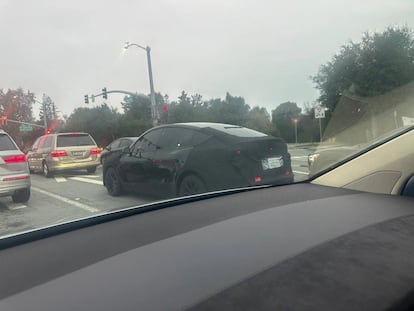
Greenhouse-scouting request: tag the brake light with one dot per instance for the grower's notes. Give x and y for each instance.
(257, 179)
(56, 154)
(16, 178)
(95, 151)
(15, 159)
(287, 173)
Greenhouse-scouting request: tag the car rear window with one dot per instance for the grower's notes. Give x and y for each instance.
(241, 132)
(6, 143)
(74, 140)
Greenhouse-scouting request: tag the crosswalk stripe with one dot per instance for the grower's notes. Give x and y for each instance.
(87, 180)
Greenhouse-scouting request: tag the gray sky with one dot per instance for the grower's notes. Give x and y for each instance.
(262, 50)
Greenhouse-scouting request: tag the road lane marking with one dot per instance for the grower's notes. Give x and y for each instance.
(299, 157)
(60, 179)
(66, 200)
(91, 176)
(299, 172)
(15, 207)
(91, 181)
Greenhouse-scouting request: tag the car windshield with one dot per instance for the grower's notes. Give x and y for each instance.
(192, 98)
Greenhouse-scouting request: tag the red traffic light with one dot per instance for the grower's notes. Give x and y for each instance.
(165, 107)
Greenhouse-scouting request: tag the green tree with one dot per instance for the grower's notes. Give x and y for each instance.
(282, 118)
(136, 118)
(17, 105)
(376, 65)
(48, 110)
(102, 122)
(233, 110)
(259, 119)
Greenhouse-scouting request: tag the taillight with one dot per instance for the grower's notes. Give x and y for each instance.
(95, 151)
(15, 158)
(60, 153)
(257, 179)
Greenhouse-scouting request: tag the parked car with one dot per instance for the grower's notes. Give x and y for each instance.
(53, 153)
(14, 171)
(116, 146)
(188, 158)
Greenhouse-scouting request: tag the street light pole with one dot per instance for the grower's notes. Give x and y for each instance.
(153, 104)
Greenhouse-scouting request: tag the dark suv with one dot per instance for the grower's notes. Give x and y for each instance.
(189, 158)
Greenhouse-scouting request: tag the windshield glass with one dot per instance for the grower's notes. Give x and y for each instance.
(198, 96)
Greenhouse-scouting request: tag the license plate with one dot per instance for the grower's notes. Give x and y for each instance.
(270, 163)
(77, 153)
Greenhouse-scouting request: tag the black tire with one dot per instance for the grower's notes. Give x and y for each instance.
(46, 171)
(113, 182)
(21, 196)
(91, 170)
(191, 184)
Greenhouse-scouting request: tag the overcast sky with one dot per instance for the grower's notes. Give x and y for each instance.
(261, 50)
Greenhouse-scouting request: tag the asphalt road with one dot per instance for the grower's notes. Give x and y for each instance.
(77, 195)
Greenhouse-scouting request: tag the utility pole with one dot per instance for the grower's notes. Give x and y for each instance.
(153, 101)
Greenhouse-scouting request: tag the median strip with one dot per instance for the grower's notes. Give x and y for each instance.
(66, 200)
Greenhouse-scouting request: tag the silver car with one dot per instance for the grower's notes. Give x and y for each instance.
(14, 171)
(63, 152)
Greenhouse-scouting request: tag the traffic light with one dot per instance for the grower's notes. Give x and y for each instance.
(48, 131)
(3, 120)
(86, 99)
(104, 93)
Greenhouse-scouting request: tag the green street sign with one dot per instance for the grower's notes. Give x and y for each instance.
(25, 128)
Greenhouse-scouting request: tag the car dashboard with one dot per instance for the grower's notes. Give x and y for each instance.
(334, 248)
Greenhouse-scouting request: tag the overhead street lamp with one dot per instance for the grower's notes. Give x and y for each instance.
(148, 50)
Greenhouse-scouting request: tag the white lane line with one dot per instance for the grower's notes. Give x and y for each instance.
(299, 157)
(60, 179)
(91, 176)
(298, 172)
(15, 207)
(66, 200)
(91, 181)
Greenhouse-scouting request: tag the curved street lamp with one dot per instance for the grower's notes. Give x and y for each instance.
(148, 50)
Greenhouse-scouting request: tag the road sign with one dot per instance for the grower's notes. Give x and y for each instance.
(25, 128)
(319, 112)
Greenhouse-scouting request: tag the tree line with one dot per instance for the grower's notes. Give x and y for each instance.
(376, 64)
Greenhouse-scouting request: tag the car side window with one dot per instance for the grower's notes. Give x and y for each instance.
(114, 144)
(36, 144)
(147, 143)
(48, 142)
(42, 142)
(124, 143)
(175, 138)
